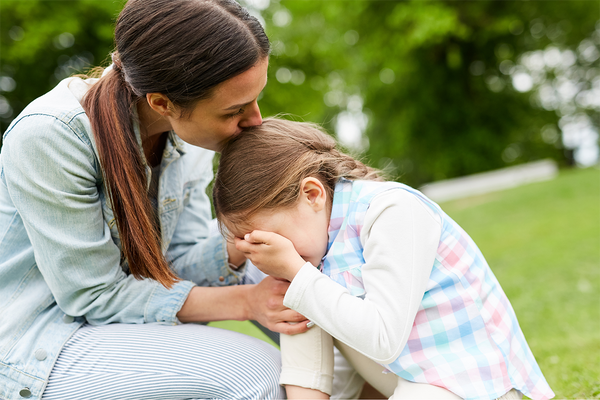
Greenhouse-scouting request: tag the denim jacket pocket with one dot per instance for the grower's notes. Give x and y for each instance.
(187, 191)
(170, 209)
(169, 204)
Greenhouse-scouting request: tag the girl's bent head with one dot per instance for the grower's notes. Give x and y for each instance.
(264, 167)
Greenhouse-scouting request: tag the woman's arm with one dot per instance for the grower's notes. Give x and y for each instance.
(207, 260)
(400, 239)
(262, 302)
(53, 179)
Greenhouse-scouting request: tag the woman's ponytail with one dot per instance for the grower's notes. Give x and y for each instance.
(109, 104)
(182, 49)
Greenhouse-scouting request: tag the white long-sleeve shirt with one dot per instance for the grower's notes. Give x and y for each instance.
(400, 239)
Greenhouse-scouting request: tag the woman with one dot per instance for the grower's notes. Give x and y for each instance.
(104, 220)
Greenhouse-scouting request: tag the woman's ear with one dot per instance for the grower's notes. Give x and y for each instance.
(314, 193)
(160, 103)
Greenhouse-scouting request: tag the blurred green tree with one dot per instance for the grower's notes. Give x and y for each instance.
(427, 90)
(438, 81)
(43, 42)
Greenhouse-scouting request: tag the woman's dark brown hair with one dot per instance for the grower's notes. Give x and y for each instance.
(263, 168)
(183, 49)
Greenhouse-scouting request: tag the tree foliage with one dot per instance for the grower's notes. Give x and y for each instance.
(429, 83)
(43, 42)
(429, 76)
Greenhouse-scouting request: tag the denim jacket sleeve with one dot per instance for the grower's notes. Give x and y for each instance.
(193, 252)
(54, 180)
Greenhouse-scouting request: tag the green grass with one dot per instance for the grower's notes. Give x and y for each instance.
(244, 327)
(543, 243)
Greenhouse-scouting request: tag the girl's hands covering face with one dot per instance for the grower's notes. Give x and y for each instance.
(273, 254)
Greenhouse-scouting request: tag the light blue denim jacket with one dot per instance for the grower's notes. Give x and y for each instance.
(60, 261)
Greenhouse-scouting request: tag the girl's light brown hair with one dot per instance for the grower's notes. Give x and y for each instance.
(263, 168)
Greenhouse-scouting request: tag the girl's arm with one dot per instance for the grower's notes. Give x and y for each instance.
(400, 238)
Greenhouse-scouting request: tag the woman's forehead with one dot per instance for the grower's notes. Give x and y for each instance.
(241, 89)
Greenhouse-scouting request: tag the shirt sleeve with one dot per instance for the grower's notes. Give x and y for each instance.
(400, 239)
(52, 177)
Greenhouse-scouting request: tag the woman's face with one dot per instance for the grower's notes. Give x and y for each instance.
(232, 107)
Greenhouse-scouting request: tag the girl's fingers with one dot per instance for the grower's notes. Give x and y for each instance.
(259, 237)
(243, 245)
(292, 316)
(291, 329)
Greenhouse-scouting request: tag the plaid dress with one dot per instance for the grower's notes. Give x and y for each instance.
(465, 336)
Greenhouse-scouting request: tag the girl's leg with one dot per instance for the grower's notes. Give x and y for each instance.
(151, 361)
(513, 394)
(389, 384)
(369, 369)
(421, 391)
(307, 362)
(347, 383)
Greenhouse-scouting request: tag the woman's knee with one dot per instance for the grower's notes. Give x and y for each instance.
(265, 369)
(250, 367)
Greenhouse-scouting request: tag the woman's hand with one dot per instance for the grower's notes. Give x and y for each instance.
(266, 306)
(262, 302)
(236, 257)
(271, 253)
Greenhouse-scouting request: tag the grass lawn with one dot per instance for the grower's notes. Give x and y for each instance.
(543, 243)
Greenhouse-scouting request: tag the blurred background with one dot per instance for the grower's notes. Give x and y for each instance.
(426, 90)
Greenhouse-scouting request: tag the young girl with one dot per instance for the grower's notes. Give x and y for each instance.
(400, 287)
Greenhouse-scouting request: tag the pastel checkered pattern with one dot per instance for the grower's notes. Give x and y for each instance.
(466, 337)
